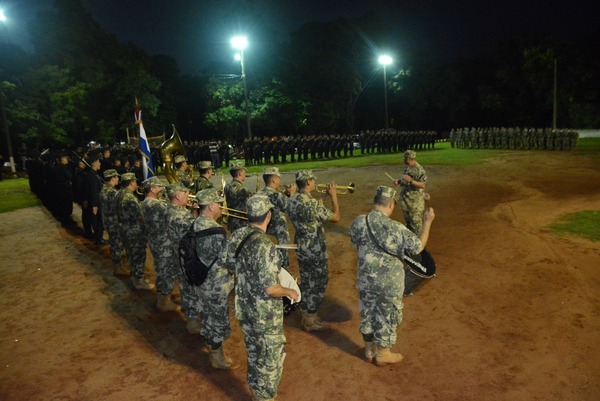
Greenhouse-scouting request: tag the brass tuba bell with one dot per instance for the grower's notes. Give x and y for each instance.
(167, 151)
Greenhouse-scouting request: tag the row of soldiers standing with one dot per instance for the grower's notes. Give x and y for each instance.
(514, 138)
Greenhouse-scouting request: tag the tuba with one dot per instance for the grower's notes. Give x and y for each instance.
(167, 151)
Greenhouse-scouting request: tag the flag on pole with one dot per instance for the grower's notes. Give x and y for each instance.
(147, 166)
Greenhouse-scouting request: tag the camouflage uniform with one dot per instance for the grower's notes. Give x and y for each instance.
(214, 292)
(184, 177)
(203, 183)
(111, 221)
(179, 220)
(380, 277)
(131, 230)
(411, 198)
(260, 316)
(278, 225)
(307, 214)
(155, 215)
(237, 195)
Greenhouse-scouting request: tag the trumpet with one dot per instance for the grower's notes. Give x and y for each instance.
(340, 189)
(234, 213)
(192, 202)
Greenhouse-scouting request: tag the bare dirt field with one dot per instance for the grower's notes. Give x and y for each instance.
(513, 313)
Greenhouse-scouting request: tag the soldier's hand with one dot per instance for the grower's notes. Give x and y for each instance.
(429, 215)
(407, 178)
(332, 189)
(293, 295)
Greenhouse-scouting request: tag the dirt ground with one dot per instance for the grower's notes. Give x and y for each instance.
(513, 313)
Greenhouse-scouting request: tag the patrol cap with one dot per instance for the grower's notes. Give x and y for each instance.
(410, 154)
(176, 187)
(271, 171)
(110, 173)
(304, 175)
(237, 166)
(208, 196)
(387, 192)
(180, 159)
(205, 165)
(258, 205)
(128, 177)
(152, 182)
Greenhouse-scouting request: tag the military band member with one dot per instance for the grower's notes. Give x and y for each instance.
(236, 194)
(111, 221)
(412, 184)
(205, 173)
(182, 172)
(154, 209)
(132, 229)
(91, 202)
(258, 293)
(278, 225)
(307, 214)
(380, 243)
(214, 292)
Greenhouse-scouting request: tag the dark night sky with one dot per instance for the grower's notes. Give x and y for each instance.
(196, 33)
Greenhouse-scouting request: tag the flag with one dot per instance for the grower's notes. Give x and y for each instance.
(147, 166)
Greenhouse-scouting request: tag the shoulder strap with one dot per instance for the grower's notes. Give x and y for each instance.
(373, 237)
(208, 231)
(246, 238)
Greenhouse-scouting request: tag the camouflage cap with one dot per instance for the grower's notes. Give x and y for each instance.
(237, 166)
(128, 177)
(410, 154)
(179, 159)
(387, 192)
(152, 182)
(271, 171)
(176, 187)
(304, 175)
(208, 196)
(110, 173)
(258, 205)
(205, 165)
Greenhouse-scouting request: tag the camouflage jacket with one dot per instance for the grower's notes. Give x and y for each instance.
(109, 208)
(129, 211)
(281, 202)
(203, 183)
(155, 217)
(307, 214)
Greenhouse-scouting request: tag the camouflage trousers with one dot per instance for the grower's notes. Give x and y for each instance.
(166, 273)
(134, 242)
(380, 315)
(314, 276)
(115, 246)
(265, 348)
(190, 298)
(413, 211)
(214, 305)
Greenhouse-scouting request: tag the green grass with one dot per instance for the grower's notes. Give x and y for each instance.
(15, 194)
(584, 224)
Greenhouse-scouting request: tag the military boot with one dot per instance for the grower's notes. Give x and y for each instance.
(384, 355)
(165, 304)
(142, 283)
(121, 269)
(369, 351)
(218, 360)
(312, 322)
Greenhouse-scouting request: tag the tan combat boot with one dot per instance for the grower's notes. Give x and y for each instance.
(193, 326)
(384, 355)
(218, 360)
(121, 269)
(370, 351)
(142, 284)
(165, 304)
(312, 322)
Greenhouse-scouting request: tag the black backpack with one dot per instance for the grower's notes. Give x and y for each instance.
(193, 269)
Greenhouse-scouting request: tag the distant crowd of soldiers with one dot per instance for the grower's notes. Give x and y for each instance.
(514, 138)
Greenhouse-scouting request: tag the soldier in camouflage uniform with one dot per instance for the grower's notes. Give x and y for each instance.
(178, 223)
(182, 172)
(278, 226)
(258, 293)
(381, 242)
(236, 194)
(111, 221)
(307, 214)
(214, 292)
(132, 230)
(412, 184)
(154, 209)
(205, 172)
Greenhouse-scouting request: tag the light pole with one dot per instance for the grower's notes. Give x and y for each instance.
(385, 60)
(240, 43)
(4, 119)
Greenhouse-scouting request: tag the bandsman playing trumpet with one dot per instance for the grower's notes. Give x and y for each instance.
(236, 194)
(205, 173)
(307, 214)
(154, 209)
(183, 172)
(278, 225)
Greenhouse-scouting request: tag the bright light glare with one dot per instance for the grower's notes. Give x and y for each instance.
(239, 42)
(237, 56)
(2, 16)
(385, 60)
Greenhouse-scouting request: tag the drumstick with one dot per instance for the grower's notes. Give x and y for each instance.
(390, 177)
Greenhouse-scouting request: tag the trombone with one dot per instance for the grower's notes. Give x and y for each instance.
(340, 189)
(234, 213)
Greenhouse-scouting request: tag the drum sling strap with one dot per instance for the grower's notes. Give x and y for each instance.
(403, 257)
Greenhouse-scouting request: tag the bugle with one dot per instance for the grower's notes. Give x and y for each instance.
(234, 213)
(340, 189)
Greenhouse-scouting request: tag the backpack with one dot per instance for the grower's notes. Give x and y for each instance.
(193, 269)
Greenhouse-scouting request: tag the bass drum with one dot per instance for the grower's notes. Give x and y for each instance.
(420, 268)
